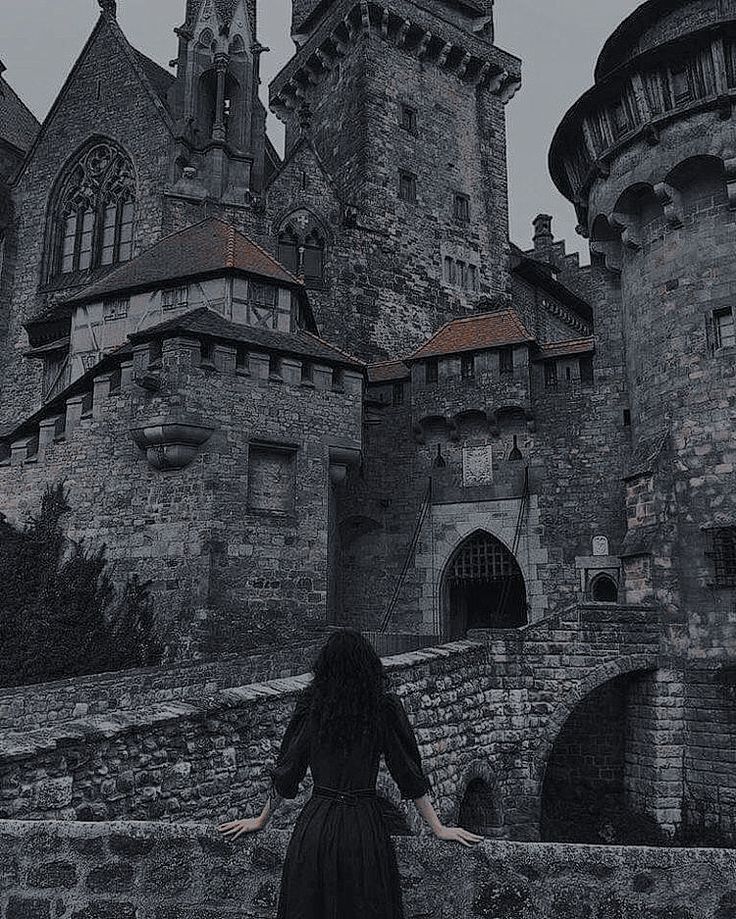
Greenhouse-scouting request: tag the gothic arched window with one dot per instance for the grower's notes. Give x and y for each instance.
(94, 212)
(302, 247)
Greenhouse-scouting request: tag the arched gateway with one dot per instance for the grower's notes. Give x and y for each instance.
(483, 587)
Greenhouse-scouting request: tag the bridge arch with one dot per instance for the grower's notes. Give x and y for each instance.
(583, 778)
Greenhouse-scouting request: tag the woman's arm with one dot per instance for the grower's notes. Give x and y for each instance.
(253, 824)
(446, 833)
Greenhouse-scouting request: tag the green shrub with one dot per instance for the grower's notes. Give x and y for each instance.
(60, 615)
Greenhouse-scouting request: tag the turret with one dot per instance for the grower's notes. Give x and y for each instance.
(220, 119)
(648, 157)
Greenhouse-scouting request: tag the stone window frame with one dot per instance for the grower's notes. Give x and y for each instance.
(93, 209)
(407, 186)
(265, 446)
(506, 361)
(461, 207)
(718, 315)
(302, 242)
(720, 550)
(467, 365)
(408, 119)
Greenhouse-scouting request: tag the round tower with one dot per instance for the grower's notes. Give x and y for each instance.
(648, 158)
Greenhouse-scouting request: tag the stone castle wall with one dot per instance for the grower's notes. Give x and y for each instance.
(156, 871)
(198, 533)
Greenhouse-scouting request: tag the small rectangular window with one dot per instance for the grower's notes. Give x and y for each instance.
(461, 208)
(398, 395)
(448, 268)
(721, 549)
(207, 352)
(467, 366)
(627, 417)
(175, 298)
(472, 278)
(462, 275)
(506, 361)
(271, 479)
(432, 371)
(586, 370)
(307, 372)
(408, 187)
(550, 374)
(274, 366)
(408, 119)
(724, 327)
(116, 308)
(241, 358)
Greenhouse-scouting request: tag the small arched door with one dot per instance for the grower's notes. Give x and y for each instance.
(483, 587)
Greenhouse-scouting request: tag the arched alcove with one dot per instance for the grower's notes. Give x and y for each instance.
(604, 589)
(701, 182)
(592, 776)
(483, 587)
(480, 810)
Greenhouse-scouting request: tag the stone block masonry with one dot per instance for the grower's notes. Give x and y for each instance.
(156, 871)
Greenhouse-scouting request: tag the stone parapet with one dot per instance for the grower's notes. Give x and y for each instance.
(159, 871)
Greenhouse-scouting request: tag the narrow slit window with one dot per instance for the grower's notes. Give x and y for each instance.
(408, 119)
(432, 371)
(408, 187)
(467, 366)
(461, 208)
(506, 361)
(550, 374)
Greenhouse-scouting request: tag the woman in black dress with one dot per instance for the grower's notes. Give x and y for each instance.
(341, 863)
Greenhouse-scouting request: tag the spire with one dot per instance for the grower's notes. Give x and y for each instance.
(109, 8)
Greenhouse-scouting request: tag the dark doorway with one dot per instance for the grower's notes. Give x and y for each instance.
(484, 587)
(604, 589)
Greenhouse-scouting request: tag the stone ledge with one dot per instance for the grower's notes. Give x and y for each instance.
(21, 745)
(162, 871)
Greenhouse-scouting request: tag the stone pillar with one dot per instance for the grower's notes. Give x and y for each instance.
(73, 414)
(101, 394)
(655, 739)
(46, 435)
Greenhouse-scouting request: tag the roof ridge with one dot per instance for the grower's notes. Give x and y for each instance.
(329, 344)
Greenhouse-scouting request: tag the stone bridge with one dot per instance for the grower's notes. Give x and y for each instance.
(508, 724)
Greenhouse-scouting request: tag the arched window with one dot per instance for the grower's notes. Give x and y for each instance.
(302, 247)
(314, 254)
(604, 589)
(94, 212)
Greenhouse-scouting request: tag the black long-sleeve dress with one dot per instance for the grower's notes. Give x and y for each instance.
(341, 862)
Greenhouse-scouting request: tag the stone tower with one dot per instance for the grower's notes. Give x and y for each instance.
(404, 106)
(220, 120)
(648, 156)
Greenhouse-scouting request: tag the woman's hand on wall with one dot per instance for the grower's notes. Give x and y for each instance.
(458, 834)
(238, 827)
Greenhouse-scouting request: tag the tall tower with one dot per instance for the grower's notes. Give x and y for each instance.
(220, 119)
(648, 156)
(404, 104)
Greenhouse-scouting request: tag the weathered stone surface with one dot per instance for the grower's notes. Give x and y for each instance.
(496, 880)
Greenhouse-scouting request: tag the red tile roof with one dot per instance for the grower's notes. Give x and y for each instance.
(564, 348)
(206, 248)
(477, 333)
(387, 372)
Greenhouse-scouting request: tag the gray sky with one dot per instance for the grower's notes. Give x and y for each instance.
(558, 41)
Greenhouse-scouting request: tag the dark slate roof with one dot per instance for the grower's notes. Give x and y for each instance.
(387, 372)
(206, 323)
(206, 248)
(159, 78)
(477, 333)
(18, 125)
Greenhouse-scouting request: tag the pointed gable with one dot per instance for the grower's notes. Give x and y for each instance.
(18, 125)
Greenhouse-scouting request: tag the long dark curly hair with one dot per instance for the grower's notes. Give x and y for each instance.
(348, 691)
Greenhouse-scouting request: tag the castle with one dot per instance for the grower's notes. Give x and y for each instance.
(327, 387)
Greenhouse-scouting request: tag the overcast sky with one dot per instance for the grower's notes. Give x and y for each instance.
(558, 41)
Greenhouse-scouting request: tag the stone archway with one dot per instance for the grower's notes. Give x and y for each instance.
(483, 587)
(593, 756)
